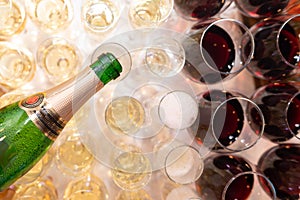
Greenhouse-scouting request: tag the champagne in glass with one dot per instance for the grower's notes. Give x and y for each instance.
(50, 15)
(17, 66)
(41, 189)
(100, 15)
(149, 13)
(125, 115)
(72, 157)
(59, 58)
(12, 18)
(131, 170)
(133, 195)
(89, 187)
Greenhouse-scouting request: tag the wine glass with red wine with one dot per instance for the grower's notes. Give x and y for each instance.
(213, 50)
(280, 105)
(225, 123)
(281, 164)
(277, 48)
(265, 8)
(228, 177)
(200, 10)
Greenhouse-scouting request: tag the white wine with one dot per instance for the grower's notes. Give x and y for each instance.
(145, 13)
(149, 13)
(12, 18)
(125, 115)
(131, 170)
(50, 15)
(100, 15)
(59, 58)
(72, 157)
(89, 187)
(17, 66)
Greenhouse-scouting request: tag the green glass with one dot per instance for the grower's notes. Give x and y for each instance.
(23, 141)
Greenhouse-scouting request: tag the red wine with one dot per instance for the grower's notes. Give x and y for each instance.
(267, 62)
(281, 164)
(195, 9)
(218, 170)
(261, 8)
(218, 51)
(282, 119)
(228, 120)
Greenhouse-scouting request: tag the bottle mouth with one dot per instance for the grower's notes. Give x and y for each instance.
(107, 67)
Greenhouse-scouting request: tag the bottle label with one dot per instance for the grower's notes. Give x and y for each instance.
(43, 115)
(33, 101)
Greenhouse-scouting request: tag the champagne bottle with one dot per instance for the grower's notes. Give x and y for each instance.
(29, 127)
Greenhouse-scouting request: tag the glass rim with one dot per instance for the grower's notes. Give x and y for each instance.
(296, 135)
(161, 47)
(186, 147)
(127, 98)
(244, 28)
(254, 173)
(258, 135)
(162, 99)
(149, 23)
(101, 29)
(193, 19)
(286, 22)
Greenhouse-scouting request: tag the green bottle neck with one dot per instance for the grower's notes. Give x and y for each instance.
(107, 67)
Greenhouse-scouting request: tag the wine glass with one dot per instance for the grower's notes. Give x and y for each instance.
(226, 121)
(131, 170)
(279, 103)
(214, 50)
(178, 110)
(165, 57)
(195, 10)
(228, 176)
(59, 58)
(280, 164)
(50, 16)
(276, 55)
(264, 9)
(87, 187)
(182, 192)
(100, 15)
(17, 66)
(133, 195)
(13, 18)
(261, 187)
(71, 156)
(124, 115)
(41, 189)
(149, 13)
(184, 164)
